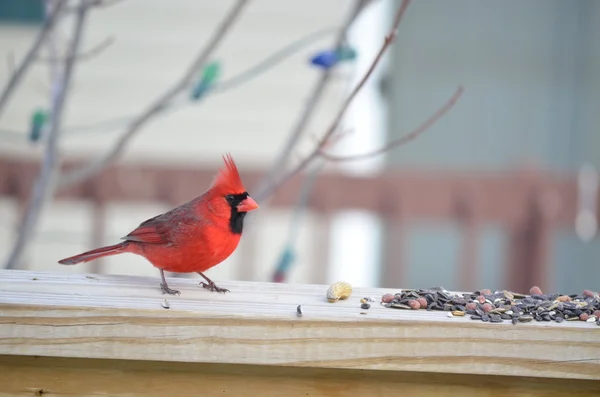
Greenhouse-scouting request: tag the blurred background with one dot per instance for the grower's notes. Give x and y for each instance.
(500, 192)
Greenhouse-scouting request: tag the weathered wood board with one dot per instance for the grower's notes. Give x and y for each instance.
(115, 328)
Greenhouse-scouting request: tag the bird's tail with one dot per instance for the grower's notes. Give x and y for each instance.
(95, 253)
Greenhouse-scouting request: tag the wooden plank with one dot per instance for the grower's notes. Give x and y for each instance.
(49, 376)
(121, 317)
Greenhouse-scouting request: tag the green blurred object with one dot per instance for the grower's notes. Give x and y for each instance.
(210, 74)
(38, 120)
(346, 53)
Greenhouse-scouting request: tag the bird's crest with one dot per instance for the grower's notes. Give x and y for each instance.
(228, 179)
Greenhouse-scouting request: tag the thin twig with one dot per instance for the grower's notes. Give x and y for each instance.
(84, 55)
(309, 108)
(98, 165)
(403, 139)
(20, 71)
(276, 57)
(275, 183)
(43, 188)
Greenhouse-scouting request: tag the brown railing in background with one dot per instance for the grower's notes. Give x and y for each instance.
(529, 205)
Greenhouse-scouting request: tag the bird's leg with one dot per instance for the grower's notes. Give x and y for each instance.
(211, 284)
(165, 288)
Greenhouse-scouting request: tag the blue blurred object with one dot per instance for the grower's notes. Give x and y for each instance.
(38, 120)
(200, 89)
(329, 58)
(325, 59)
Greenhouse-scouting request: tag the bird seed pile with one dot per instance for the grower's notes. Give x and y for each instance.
(500, 306)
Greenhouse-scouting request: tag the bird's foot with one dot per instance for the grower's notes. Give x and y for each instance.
(213, 287)
(166, 290)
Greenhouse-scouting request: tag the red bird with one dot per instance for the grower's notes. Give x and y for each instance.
(193, 237)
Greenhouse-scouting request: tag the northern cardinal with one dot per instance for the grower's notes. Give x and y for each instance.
(193, 237)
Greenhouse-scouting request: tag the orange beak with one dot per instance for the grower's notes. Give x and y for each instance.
(247, 205)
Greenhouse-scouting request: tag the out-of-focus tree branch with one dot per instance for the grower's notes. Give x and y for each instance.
(403, 139)
(274, 183)
(309, 108)
(96, 166)
(43, 188)
(241, 78)
(330, 135)
(31, 55)
(84, 55)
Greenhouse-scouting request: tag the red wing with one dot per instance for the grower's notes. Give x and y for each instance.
(159, 230)
(147, 234)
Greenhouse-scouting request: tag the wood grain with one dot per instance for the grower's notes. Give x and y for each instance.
(47, 376)
(121, 317)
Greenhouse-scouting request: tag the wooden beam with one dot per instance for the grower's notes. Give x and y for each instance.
(503, 197)
(122, 318)
(61, 377)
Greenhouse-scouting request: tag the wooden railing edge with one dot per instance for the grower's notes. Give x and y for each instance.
(127, 318)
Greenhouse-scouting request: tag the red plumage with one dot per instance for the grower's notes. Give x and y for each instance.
(193, 237)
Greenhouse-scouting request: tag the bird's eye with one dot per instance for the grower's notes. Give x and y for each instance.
(230, 198)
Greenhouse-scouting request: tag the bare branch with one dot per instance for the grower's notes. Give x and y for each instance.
(277, 182)
(309, 108)
(84, 55)
(159, 104)
(20, 71)
(402, 140)
(270, 61)
(220, 87)
(43, 188)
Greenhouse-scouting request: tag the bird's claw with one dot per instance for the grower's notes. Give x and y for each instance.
(166, 290)
(213, 287)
